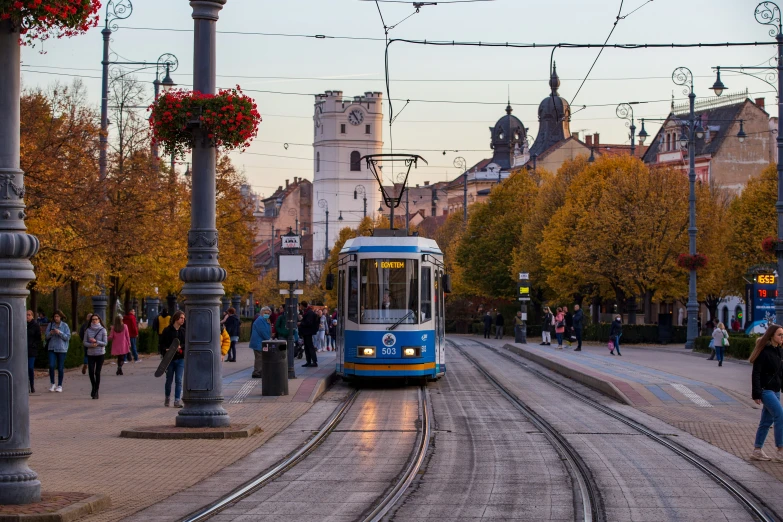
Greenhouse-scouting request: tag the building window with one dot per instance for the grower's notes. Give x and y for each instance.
(342, 128)
(668, 142)
(367, 129)
(356, 163)
(318, 162)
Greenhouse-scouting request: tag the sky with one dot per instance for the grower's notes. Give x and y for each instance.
(457, 93)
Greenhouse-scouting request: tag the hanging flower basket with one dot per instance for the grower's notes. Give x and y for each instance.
(44, 19)
(228, 119)
(692, 262)
(770, 245)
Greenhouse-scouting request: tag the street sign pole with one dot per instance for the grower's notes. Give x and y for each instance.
(291, 242)
(523, 293)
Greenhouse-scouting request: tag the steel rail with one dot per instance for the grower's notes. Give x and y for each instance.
(261, 480)
(748, 501)
(592, 506)
(422, 444)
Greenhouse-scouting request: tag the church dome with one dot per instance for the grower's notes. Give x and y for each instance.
(554, 116)
(507, 134)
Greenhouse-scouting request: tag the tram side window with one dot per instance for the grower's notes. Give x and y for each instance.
(426, 294)
(389, 291)
(353, 294)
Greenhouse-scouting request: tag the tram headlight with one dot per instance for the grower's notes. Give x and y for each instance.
(365, 351)
(411, 351)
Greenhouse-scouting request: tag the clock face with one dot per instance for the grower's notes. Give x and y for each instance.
(355, 117)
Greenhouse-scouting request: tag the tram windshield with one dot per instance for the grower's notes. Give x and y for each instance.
(389, 291)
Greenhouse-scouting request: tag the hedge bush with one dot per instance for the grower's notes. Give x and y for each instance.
(244, 332)
(740, 347)
(74, 356)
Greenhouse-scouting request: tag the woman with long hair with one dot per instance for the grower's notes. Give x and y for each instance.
(719, 339)
(560, 327)
(59, 335)
(121, 343)
(95, 341)
(767, 359)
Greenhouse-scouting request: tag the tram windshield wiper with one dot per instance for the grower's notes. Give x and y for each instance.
(402, 320)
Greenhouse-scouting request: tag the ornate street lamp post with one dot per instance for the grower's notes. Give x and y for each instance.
(203, 276)
(683, 76)
(18, 483)
(768, 13)
(294, 212)
(363, 191)
(460, 163)
(325, 205)
(624, 111)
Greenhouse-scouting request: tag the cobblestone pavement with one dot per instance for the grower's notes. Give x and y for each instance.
(76, 443)
(680, 388)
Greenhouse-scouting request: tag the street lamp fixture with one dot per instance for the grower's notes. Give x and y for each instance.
(294, 212)
(741, 134)
(591, 159)
(360, 189)
(341, 216)
(643, 134)
(460, 163)
(167, 82)
(718, 86)
(624, 111)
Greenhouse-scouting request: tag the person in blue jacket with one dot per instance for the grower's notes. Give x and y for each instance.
(261, 331)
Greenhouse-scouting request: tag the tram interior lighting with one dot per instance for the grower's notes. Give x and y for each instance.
(366, 351)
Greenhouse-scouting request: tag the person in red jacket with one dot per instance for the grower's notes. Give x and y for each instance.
(133, 331)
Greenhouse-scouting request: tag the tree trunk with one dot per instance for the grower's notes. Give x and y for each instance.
(632, 310)
(127, 300)
(596, 306)
(648, 314)
(55, 300)
(74, 305)
(112, 299)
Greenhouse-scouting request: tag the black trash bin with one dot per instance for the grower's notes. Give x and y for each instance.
(274, 368)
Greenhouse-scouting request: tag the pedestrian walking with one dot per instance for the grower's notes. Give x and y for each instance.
(120, 342)
(499, 322)
(333, 332)
(233, 327)
(95, 342)
(82, 329)
(261, 331)
(308, 327)
(560, 327)
(579, 322)
(132, 323)
(34, 343)
(487, 325)
(569, 326)
(767, 359)
(710, 326)
(281, 327)
(58, 336)
(547, 324)
(225, 342)
(174, 330)
(720, 339)
(160, 323)
(321, 335)
(615, 332)
(327, 336)
(735, 324)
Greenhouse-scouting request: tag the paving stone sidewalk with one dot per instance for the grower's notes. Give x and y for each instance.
(77, 447)
(679, 387)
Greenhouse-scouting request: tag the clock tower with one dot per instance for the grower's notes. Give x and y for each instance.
(345, 129)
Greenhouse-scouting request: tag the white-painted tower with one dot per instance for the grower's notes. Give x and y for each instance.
(344, 131)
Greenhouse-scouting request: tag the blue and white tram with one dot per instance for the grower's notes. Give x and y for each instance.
(390, 301)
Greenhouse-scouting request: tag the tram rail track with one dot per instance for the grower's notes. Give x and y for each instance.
(752, 505)
(382, 505)
(592, 505)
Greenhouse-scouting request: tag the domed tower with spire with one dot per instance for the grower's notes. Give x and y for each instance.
(554, 117)
(508, 141)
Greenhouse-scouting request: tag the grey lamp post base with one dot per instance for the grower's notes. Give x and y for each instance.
(99, 305)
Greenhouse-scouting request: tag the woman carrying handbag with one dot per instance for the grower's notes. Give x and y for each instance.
(720, 339)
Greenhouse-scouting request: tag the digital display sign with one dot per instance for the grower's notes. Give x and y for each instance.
(766, 279)
(391, 264)
(763, 293)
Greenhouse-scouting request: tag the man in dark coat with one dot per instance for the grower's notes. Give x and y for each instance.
(308, 327)
(487, 325)
(499, 322)
(579, 323)
(34, 343)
